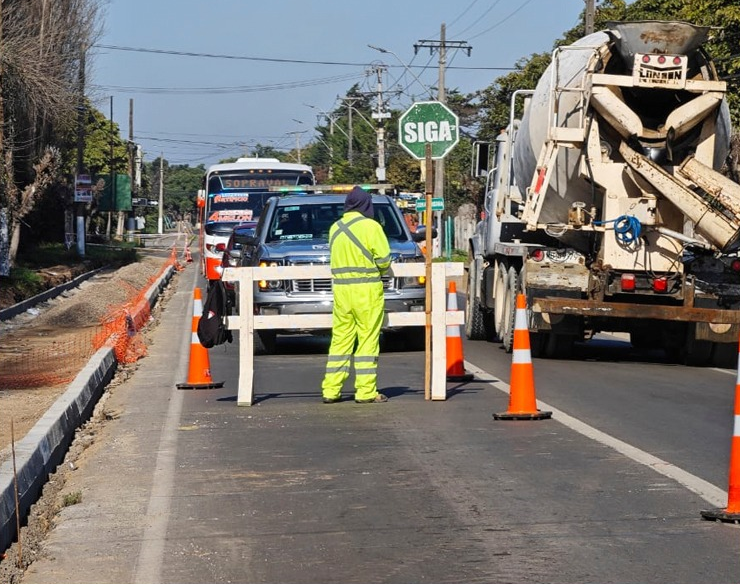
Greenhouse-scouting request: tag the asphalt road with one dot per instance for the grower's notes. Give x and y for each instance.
(185, 486)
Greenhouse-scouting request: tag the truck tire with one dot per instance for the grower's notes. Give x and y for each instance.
(499, 297)
(264, 342)
(475, 328)
(512, 289)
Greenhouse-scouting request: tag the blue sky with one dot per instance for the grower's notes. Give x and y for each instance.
(198, 109)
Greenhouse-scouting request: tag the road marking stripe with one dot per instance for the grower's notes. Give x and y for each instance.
(148, 569)
(713, 495)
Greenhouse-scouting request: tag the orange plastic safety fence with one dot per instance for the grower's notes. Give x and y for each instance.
(42, 362)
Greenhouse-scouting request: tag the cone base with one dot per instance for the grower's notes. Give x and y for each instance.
(720, 515)
(538, 415)
(211, 385)
(461, 377)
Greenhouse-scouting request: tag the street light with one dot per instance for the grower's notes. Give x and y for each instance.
(405, 66)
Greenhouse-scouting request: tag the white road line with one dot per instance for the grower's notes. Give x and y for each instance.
(713, 495)
(149, 562)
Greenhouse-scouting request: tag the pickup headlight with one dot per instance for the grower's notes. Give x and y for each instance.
(270, 285)
(412, 281)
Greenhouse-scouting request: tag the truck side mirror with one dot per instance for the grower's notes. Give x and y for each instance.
(421, 233)
(481, 162)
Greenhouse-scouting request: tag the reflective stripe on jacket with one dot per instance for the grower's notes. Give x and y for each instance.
(359, 250)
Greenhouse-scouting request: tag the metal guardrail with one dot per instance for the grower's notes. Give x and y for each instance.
(247, 322)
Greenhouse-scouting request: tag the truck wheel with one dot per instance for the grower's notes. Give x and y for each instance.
(499, 298)
(512, 288)
(264, 342)
(475, 328)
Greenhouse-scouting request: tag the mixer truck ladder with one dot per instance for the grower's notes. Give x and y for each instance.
(558, 135)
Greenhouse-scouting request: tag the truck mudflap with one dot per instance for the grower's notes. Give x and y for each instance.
(580, 307)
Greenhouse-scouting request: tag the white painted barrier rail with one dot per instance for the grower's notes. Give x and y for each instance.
(247, 322)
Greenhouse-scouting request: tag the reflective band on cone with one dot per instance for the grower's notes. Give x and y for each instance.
(522, 401)
(731, 514)
(199, 370)
(455, 359)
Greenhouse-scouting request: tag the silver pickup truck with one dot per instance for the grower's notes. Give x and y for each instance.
(294, 230)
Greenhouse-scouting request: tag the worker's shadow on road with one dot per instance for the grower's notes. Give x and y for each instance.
(392, 392)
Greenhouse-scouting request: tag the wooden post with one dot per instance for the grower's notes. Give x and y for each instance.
(428, 189)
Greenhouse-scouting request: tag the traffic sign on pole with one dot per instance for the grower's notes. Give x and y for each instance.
(438, 204)
(428, 122)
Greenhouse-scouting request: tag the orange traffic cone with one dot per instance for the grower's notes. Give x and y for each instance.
(188, 257)
(173, 259)
(199, 372)
(522, 402)
(731, 514)
(455, 367)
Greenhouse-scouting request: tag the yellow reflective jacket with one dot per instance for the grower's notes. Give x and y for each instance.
(360, 253)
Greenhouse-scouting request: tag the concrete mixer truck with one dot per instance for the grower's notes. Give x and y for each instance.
(605, 205)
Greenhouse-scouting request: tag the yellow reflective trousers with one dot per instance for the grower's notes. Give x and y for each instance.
(359, 256)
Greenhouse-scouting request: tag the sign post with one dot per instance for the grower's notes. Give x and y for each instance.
(428, 130)
(83, 195)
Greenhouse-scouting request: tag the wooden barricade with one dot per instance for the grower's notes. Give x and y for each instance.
(247, 322)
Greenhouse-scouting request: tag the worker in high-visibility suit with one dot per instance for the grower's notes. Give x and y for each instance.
(360, 254)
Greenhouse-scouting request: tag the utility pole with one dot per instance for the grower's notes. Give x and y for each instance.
(131, 167)
(439, 166)
(297, 134)
(380, 115)
(160, 219)
(350, 138)
(79, 207)
(589, 16)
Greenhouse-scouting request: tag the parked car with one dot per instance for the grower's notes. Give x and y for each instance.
(233, 251)
(294, 230)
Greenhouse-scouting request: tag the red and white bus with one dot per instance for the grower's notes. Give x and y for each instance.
(234, 193)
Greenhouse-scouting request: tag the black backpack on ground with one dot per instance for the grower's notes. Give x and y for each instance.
(212, 326)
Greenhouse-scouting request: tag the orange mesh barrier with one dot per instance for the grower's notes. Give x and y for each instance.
(30, 361)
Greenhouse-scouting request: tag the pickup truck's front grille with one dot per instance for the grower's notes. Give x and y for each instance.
(317, 285)
(321, 284)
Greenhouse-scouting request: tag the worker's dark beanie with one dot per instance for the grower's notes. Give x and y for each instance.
(359, 200)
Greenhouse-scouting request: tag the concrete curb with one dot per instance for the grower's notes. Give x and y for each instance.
(16, 309)
(44, 447)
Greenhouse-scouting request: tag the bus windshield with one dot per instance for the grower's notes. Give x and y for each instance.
(240, 195)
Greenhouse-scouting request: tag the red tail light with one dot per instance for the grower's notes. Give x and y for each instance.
(660, 285)
(220, 247)
(537, 255)
(661, 59)
(628, 282)
(735, 265)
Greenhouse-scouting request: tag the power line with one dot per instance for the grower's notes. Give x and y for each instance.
(481, 17)
(464, 12)
(294, 61)
(229, 90)
(500, 22)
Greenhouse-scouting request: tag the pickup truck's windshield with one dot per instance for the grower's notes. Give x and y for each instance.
(312, 221)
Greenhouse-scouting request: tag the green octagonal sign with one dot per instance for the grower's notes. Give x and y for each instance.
(428, 122)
